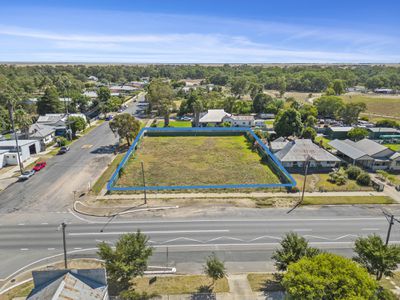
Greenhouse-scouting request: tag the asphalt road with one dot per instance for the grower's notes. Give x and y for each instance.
(245, 242)
(52, 189)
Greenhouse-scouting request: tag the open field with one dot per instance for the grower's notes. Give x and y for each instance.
(378, 106)
(201, 160)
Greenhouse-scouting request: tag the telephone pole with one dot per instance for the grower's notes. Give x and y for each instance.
(390, 218)
(144, 184)
(307, 163)
(11, 112)
(63, 225)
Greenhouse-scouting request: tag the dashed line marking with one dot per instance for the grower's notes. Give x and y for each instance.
(21, 224)
(24, 249)
(77, 248)
(370, 229)
(51, 249)
(45, 223)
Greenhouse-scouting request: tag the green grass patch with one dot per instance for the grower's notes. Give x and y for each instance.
(20, 291)
(103, 179)
(323, 141)
(201, 160)
(165, 285)
(347, 200)
(260, 282)
(394, 147)
(176, 124)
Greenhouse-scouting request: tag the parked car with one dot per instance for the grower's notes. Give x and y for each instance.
(185, 118)
(109, 118)
(63, 149)
(398, 188)
(26, 175)
(39, 166)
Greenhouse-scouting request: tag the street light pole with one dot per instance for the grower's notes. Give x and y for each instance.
(144, 184)
(63, 225)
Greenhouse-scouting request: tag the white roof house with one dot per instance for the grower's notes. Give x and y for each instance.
(90, 284)
(213, 116)
(296, 153)
(239, 121)
(367, 153)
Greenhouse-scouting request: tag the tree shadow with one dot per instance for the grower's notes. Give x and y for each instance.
(204, 292)
(104, 150)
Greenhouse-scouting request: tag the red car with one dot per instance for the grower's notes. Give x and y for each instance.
(39, 166)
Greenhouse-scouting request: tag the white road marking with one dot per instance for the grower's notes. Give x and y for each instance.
(266, 236)
(24, 249)
(77, 248)
(51, 249)
(21, 224)
(45, 223)
(181, 238)
(370, 229)
(302, 229)
(147, 232)
(225, 238)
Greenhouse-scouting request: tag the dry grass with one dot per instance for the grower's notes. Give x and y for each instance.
(380, 105)
(263, 282)
(189, 284)
(202, 160)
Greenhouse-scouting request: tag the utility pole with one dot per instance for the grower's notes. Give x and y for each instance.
(63, 225)
(390, 218)
(144, 184)
(307, 163)
(10, 110)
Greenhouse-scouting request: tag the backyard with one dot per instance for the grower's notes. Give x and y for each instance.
(200, 160)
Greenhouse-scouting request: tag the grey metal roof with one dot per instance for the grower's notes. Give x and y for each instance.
(11, 143)
(347, 148)
(340, 128)
(300, 150)
(69, 284)
(214, 116)
(383, 129)
(369, 147)
(40, 130)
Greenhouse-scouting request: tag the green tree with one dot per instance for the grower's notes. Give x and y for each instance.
(214, 268)
(379, 259)
(260, 102)
(23, 120)
(308, 110)
(126, 126)
(311, 121)
(288, 122)
(351, 111)
(255, 89)
(128, 260)
(114, 103)
(76, 124)
(50, 102)
(160, 95)
(357, 134)
(364, 179)
(104, 94)
(293, 248)
(197, 109)
(387, 123)
(309, 133)
(353, 172)
(338, 86)
(238, 86)
(328, 276)
(329, 106)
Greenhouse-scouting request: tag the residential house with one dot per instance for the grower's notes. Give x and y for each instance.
(93, 78)
(367, 153)
(45, 134)
(58, 121)
(8, 151)
(239, 121)
(384, 91)
(213, 117)
(294, 154)
(88, 284)
(122, 89)
(91, 94)
(337, 132)
(376, 133)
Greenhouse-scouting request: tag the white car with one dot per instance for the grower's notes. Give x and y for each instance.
(26, 175)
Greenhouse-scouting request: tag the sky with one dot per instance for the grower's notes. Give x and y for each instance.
(172, 31)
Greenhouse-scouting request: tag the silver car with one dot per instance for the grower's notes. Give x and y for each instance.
(26, 175)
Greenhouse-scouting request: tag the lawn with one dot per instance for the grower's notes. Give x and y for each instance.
(176, 124)
(347, 200)
(394, 147)
(319, 182)
(324, 141)
(168, 285)
(379, 105)
(201, 160)
(263, 282)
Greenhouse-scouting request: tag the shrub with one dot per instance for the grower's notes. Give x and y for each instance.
(337, 177)
(382, 174)
(364, 179)
(61, 141)
(353, 172)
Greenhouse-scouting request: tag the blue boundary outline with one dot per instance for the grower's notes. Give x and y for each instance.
(131, 151)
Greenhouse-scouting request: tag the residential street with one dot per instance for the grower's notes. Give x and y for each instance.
(52, 189)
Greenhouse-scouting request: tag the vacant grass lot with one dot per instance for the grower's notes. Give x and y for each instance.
(175, 124)
(202, 160)
(169, 285)
(379, 105)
